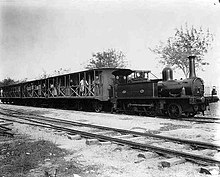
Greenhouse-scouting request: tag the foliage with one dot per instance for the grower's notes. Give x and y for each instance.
(44, 75)
(58, 72)
(110, 58)
(186, 41)
(23, 80)
(7, 81)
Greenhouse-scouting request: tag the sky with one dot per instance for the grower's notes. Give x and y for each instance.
(45, 35)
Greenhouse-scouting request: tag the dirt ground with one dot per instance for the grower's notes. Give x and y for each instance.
(114, 160)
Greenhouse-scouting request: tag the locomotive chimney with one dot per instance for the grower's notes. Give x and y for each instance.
(192, 72)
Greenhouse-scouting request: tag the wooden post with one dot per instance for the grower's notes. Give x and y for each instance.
(48, 87)
(65, 85)
(85, 89)
(94, 84)
(90, 84)
(79, 85)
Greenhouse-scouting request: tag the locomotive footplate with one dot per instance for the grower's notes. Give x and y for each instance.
(140, 105)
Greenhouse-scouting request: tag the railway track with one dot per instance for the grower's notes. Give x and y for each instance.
(198, 119)
(206, 117)
(119, 136)
(77, 123)
(4, 130)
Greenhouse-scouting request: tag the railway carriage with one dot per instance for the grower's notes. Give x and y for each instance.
(66, 90)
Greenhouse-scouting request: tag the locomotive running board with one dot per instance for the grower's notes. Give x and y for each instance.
(140, 105)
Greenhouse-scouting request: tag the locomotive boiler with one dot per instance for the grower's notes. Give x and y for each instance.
(192, 86)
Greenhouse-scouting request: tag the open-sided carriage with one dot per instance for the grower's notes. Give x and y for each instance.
(87, 89)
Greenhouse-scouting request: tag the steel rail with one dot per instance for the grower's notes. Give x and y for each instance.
(193, 119)
(201, 121)
(4, 131)
(204, 117)
(74, 123)
(187, 156)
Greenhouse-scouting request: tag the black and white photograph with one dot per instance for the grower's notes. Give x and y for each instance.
(109, 88)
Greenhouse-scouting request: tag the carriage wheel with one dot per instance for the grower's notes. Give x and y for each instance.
(190, 114)
(97, 105)
(79, 106)
(174, 110)
(152, 112)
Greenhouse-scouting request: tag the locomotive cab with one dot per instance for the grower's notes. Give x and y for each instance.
(123, 76)
(133, 91)
(133, 84)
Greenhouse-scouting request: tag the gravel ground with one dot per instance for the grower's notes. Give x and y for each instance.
(114, 160)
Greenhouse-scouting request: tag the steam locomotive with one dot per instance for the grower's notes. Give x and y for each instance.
(118, 90)
(163, 96)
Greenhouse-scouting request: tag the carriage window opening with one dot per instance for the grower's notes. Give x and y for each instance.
(146, 76)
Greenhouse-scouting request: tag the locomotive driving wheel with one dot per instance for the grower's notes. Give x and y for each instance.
(127, 109)
(150, 112)
(174, 110)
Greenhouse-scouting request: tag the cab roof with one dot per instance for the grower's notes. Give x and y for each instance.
(126, 72)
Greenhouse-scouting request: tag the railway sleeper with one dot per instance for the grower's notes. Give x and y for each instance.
(74, 137)
(147, 155)
(171, 162)
(210, 170)
(105, 143)
(92, 141)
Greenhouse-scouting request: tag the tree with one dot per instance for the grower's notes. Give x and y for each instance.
(185, 42)
(58, 72)
(7, 81)
(110, 58)
(44, 75)
(61, 71)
